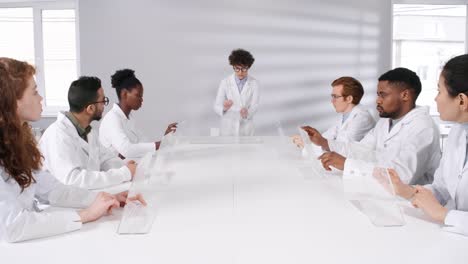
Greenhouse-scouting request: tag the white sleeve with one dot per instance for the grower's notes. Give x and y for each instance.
(50, 190)
(253, 108)
(119, 140)
(109, 161)
(414, 151)
(70, 170)
(362, 149)
(220, 97)
(438, 186)
(457, 222)
(18, 223)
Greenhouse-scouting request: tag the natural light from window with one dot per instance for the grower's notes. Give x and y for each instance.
(424, 38)
(60, 66)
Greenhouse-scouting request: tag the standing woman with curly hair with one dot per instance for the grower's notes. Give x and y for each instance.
(238, 97)
(21, 178)
(117, 131)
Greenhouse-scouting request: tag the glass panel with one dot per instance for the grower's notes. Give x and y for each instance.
(371, 191)
(60, 66)
(230, 124)
(17, 37)
(310, 150)
(138, 218)
(311, 167)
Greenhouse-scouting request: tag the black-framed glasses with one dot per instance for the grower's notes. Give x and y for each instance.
(105, 101)
(238, 69)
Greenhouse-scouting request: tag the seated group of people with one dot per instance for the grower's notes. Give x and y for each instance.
(405, 140)
(72, 158)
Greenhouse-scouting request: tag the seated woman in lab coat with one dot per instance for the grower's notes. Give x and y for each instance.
(118, 132)
(354, 121)
(238, 97)
(446, 199)
(71, 147)
(21, 178)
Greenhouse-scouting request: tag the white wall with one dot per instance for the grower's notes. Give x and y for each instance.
(179, 50)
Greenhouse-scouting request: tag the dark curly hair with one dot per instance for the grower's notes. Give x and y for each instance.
(241, 57)
(455, 73)
(19, 155)
(124, 80)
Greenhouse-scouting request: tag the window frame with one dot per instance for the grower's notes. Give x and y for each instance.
(428, 2)
(38, 7)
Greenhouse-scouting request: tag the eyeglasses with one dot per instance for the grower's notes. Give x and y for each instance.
(105, 101)
(238, 69)
(334, 96)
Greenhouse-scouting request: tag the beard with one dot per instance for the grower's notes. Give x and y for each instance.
(97, 116)
(392, 115)
(384, 114)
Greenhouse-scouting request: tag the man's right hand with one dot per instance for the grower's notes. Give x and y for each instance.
(227, 104)
(131, 165)
(316, 137)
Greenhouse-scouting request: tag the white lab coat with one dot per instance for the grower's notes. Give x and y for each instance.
(450, 184)
(232, 124)
(412, 148)
(73, 161)
(20, 218)
(356, 126)
(120, 135)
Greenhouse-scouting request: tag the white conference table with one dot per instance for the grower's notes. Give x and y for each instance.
(248, 203)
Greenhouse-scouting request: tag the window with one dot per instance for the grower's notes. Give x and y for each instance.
(17, 38)
(424, 38)
(60, 68)
(45, 35)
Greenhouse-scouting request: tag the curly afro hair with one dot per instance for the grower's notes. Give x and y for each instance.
(241, 57)
(124, 79)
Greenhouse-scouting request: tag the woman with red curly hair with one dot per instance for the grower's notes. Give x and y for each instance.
(21, 178)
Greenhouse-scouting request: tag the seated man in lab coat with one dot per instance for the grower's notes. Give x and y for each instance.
(354, 121)
(71, 147)
(405, 138)
(238, 96)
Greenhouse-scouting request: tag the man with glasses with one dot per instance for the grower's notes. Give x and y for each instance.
(238, 97)
(354, 120)
(71, 148)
